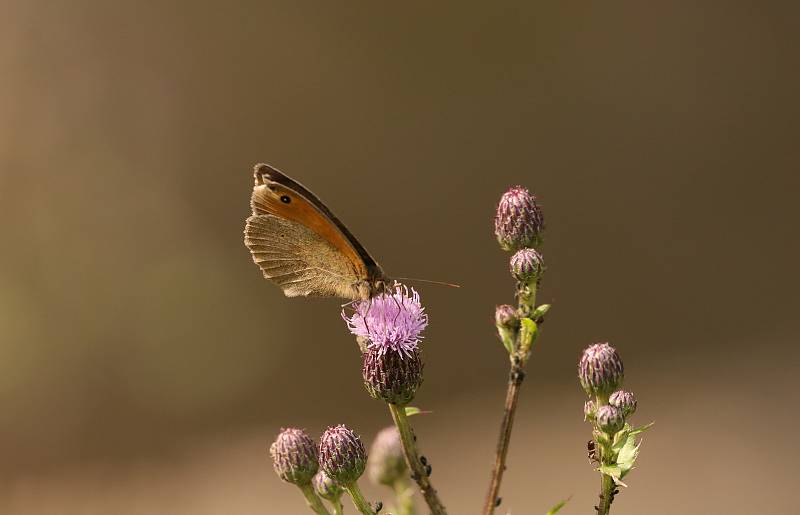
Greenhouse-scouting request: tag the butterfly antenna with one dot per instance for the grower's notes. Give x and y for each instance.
(440, 283)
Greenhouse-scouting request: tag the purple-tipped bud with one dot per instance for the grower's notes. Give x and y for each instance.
(294, 456)
(342, 455)
(391, 375)
(326, 487)
(386, 462)
(600, 369)
(527, 266)
(505, 317)
(519, 222)
(623, 400)
(610, 419)
(589, 411)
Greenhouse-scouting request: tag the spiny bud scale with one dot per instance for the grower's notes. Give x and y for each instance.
(294, 456)
(610, 419)
(518, 222)
(527, 266)
(623, 400)
(390, 375)
(600, 369)
(342, 455)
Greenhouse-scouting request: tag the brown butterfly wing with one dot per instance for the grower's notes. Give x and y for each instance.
(299, 244)
(298, 259)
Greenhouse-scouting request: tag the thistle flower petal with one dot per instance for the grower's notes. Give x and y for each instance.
(390, 321)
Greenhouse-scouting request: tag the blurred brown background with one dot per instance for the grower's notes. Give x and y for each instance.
(145, 366)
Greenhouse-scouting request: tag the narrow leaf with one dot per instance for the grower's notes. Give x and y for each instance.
(641, 429)
(411, 411)
(558, 506)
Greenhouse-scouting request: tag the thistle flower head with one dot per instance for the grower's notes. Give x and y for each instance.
(518, 222)
(623, 400)
(390, 321)
(342, 455)
(609, 419)
(386, 462)
(294, 456)
(391, 375)
(326, 487)
(527, 265)
(600, 369)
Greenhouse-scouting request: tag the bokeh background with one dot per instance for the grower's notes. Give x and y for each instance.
(145, 366)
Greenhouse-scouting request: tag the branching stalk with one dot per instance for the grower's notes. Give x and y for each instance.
(519, 357)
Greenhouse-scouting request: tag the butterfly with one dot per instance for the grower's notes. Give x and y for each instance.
(301, 246)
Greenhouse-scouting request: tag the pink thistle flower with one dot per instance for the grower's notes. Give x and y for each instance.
(390, 321)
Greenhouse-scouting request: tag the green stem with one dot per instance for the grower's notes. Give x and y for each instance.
(336, 503)
(313, 501)
(418, 472)
(607, 488)
(404, 496)
(358, 499)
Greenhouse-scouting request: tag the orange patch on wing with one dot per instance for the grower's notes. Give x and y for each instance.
(301, 211)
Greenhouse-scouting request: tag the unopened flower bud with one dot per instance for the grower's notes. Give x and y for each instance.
(390, 375)
(610, 419)
(623, 400)
(505, 316)
(527, 266)
(600, 369)
(386, 462)
(342, 455)
(294, 456)
(326, 487)
(518, 222)
(589, 411)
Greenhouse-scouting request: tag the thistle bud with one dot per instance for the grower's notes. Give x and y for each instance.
(518, 222)
(600, 369)
(527, 266)
(342, 455)
(386, 462)
(390, 375)
(623, 400)
(326, 487)
(589, 411)
(609, 419)
(294, 456)
(505, 316)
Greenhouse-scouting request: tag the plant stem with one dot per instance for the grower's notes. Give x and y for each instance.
(515, 378)
(418, 472)
(336, 503)
(358, 499)
(526, 295)
(607, 488)
(313, 501)
(404, 496)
